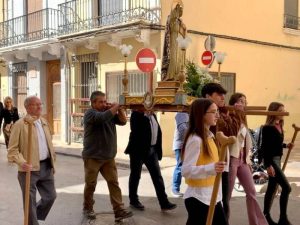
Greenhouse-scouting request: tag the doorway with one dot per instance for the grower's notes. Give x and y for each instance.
(53, 96)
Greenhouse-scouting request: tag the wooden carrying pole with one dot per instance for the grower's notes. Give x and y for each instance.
(296, 129)
(265, 113)
(28, 173)
(247, 108)
(224, 141)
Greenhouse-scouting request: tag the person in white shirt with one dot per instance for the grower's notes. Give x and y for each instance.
(240, 164)
(41, 166)
(201, 164)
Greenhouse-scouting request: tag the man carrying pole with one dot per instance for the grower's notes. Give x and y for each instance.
(34, 154)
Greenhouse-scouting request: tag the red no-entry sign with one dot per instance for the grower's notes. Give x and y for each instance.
(146, 60)
(207, 58)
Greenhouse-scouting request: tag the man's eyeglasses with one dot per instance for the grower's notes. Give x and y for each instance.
(37, 104)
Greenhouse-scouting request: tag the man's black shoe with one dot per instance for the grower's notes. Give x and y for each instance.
(284, 221)
(168, 206)
(137, 205)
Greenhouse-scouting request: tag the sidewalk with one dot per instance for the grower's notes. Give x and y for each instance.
(122, 160)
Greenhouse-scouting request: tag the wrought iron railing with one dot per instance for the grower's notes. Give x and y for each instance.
(83, 15)
(292, 22)
(31, 27)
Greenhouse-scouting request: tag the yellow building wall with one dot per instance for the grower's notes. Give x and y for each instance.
(264, 73)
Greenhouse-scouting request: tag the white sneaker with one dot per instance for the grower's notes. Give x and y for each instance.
(177, 194)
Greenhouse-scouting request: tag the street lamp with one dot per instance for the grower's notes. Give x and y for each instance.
(125, 50)
(219, 56)
(182, 44)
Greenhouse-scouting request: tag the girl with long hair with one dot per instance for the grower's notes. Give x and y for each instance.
(201, 163)
(272, 146)
(239, 164)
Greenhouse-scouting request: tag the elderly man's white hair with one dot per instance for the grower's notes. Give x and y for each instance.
(29, 99)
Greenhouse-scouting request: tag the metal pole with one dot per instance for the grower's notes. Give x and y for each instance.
(219, 72)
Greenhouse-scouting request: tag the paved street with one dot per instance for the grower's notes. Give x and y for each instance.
(69, 184)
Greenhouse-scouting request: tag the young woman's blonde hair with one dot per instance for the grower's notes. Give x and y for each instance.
(6, 99)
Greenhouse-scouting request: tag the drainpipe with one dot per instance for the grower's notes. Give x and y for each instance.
(3, 11)
(67, 94)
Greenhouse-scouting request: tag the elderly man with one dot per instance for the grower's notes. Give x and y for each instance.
(42, 155)
(99, 151)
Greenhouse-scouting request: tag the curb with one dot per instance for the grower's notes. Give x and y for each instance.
(119, 162)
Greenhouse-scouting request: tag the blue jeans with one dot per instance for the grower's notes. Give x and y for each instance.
(177, 171)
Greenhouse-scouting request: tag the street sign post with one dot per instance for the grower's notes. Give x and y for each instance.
(146, 60)
(207, 58)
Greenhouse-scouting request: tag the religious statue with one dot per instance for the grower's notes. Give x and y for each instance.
(172, 55)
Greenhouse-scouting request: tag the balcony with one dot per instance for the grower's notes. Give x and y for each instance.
(292, 22)
(84, 15)
(31, 27)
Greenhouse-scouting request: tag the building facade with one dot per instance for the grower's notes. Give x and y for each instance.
(63, 50)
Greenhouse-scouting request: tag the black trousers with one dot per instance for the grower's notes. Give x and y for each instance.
(197, 213)
(280, 179)
(151, 162)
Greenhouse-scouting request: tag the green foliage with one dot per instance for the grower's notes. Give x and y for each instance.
(196, 78)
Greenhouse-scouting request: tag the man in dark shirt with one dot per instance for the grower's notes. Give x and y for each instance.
(99, 151)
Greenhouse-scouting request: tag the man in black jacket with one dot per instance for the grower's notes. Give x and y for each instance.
(145, 147)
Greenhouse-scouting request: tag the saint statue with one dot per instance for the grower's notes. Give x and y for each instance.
(172, 55)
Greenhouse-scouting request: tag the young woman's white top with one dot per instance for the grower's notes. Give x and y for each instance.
(191, 170)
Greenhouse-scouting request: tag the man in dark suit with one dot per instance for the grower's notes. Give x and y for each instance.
(145, 147)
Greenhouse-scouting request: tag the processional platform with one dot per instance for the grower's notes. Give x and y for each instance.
(167, 97)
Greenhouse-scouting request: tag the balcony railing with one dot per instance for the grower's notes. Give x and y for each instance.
(31, 27)
(84, 15)
(292, 22)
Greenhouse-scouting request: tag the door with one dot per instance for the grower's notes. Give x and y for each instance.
(19, 86)
(53, 95)
(35, 19)
(20, 91)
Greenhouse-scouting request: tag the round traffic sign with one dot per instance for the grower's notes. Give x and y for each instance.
(207, 57)
(145, 60)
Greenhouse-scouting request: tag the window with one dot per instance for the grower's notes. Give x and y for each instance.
(19, 85)
(110, 11)
(85, 81)
(138, 84)
(227, 81)
(291, 19)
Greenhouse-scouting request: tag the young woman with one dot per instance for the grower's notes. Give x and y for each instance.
(272, 145)
(10, 116)
(239, 164)
(201, 163)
